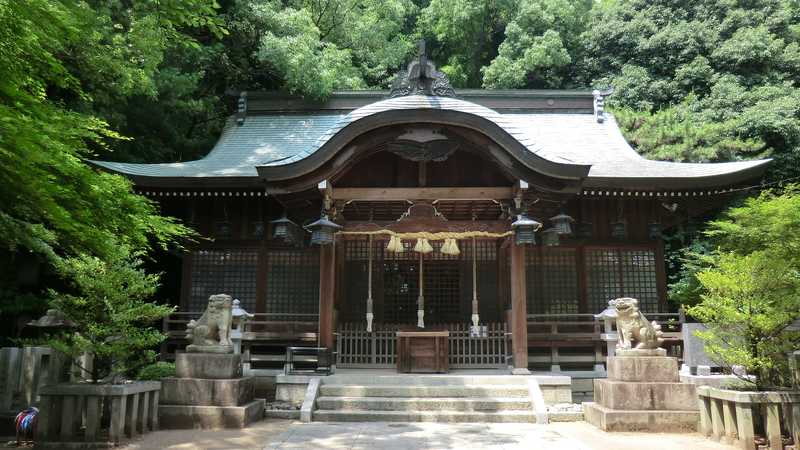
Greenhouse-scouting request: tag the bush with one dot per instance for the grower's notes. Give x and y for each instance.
(108, 304)
(749, 286)
(156, 371)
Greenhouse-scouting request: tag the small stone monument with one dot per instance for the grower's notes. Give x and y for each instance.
(643, 391)
(209, 390)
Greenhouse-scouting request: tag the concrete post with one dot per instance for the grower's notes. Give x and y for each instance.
(773, 426)
(704, 404)
(730, 422)
(744, 423)
(10, 362)
(717, 422)
(118, 410)
(92, 418)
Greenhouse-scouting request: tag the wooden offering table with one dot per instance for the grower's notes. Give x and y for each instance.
(422, 351)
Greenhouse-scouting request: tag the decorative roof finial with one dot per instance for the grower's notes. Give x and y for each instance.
(421, 78)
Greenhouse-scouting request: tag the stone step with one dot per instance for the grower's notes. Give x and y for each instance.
(351, 390)
(423, 404)
(425, 416)
(427, 380)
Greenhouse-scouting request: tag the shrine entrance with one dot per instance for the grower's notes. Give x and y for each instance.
(447, 287)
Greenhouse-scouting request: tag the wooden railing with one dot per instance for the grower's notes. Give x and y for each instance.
(263, 328)
(357, 348)
(579, 336)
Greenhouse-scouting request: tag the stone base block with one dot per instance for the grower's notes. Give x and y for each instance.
(643, 368)
(650, 352)
(627, 396)
(653, 421)
(205, 392)
(208, 366)
(210, 417)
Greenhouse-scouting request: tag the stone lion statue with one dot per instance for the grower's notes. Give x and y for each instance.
(211, 333)
(633, 325)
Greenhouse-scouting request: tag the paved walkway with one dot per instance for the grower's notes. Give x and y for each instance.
(280, 434)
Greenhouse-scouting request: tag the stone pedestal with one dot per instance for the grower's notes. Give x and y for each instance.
(209, 392)
(643, 393)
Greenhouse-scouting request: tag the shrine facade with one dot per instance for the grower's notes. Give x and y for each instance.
(447, 209)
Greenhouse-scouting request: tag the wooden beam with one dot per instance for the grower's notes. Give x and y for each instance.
(327, 285)
(519, 307)
(399, 194)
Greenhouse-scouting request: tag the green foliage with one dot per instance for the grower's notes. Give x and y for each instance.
(749, 285)
(707, 80)
(156, 371)
(315, 47)
(541, 42)
(108, 303)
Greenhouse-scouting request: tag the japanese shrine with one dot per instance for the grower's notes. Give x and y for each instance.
(506, 219)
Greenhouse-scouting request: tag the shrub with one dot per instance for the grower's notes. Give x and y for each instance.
(107, 302)
(156, 371)
(750, 286)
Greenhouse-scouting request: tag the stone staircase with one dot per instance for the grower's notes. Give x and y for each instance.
(430, 398)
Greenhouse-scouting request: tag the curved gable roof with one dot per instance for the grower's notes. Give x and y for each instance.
(558, 144)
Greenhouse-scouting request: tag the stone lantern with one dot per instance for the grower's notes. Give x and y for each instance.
(238, 317)
(550, 237)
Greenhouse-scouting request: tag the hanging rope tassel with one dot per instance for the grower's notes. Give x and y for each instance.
(450, 247)
(395, 244)
(421, 299)
(423, 246)
(370, 316)
(475, 317)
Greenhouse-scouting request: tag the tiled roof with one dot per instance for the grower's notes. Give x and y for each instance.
(280, 139)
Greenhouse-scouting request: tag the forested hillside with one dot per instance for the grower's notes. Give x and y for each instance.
(147, 81)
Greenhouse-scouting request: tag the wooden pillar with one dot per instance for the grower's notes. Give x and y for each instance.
(327, 282)
(519, 308)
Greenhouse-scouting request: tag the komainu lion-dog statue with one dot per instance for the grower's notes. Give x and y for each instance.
(632, 325)
(211, 333)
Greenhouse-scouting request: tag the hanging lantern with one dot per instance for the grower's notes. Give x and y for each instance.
(654, 230)
(322, 231)
(562, 224)
(525, 230)
(258, 229)
(223, 229)
(283, 229)
(585, 230)
(450, 247)
(423, 246)
(550, 237)
(395, 245)
(619, 229)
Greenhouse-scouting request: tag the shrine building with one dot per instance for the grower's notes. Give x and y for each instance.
(340, 222)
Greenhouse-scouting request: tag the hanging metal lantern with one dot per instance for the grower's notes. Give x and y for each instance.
(585, 230)
(525, 230)
(550, 237)
(619, 229)
(223, 229)
(322, 231)
(562, 224)
(654, 230)
(258, 229)
(283, 229)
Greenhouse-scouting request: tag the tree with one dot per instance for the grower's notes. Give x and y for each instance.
(107, 303)
(707, 80)
(749, 285)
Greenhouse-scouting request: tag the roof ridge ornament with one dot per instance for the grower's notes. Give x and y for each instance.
(421, 78)
(599, 103)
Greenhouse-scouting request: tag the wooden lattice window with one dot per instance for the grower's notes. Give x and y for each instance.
(552, 280)
(229, 271)
(292, 283)
(621, 272)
